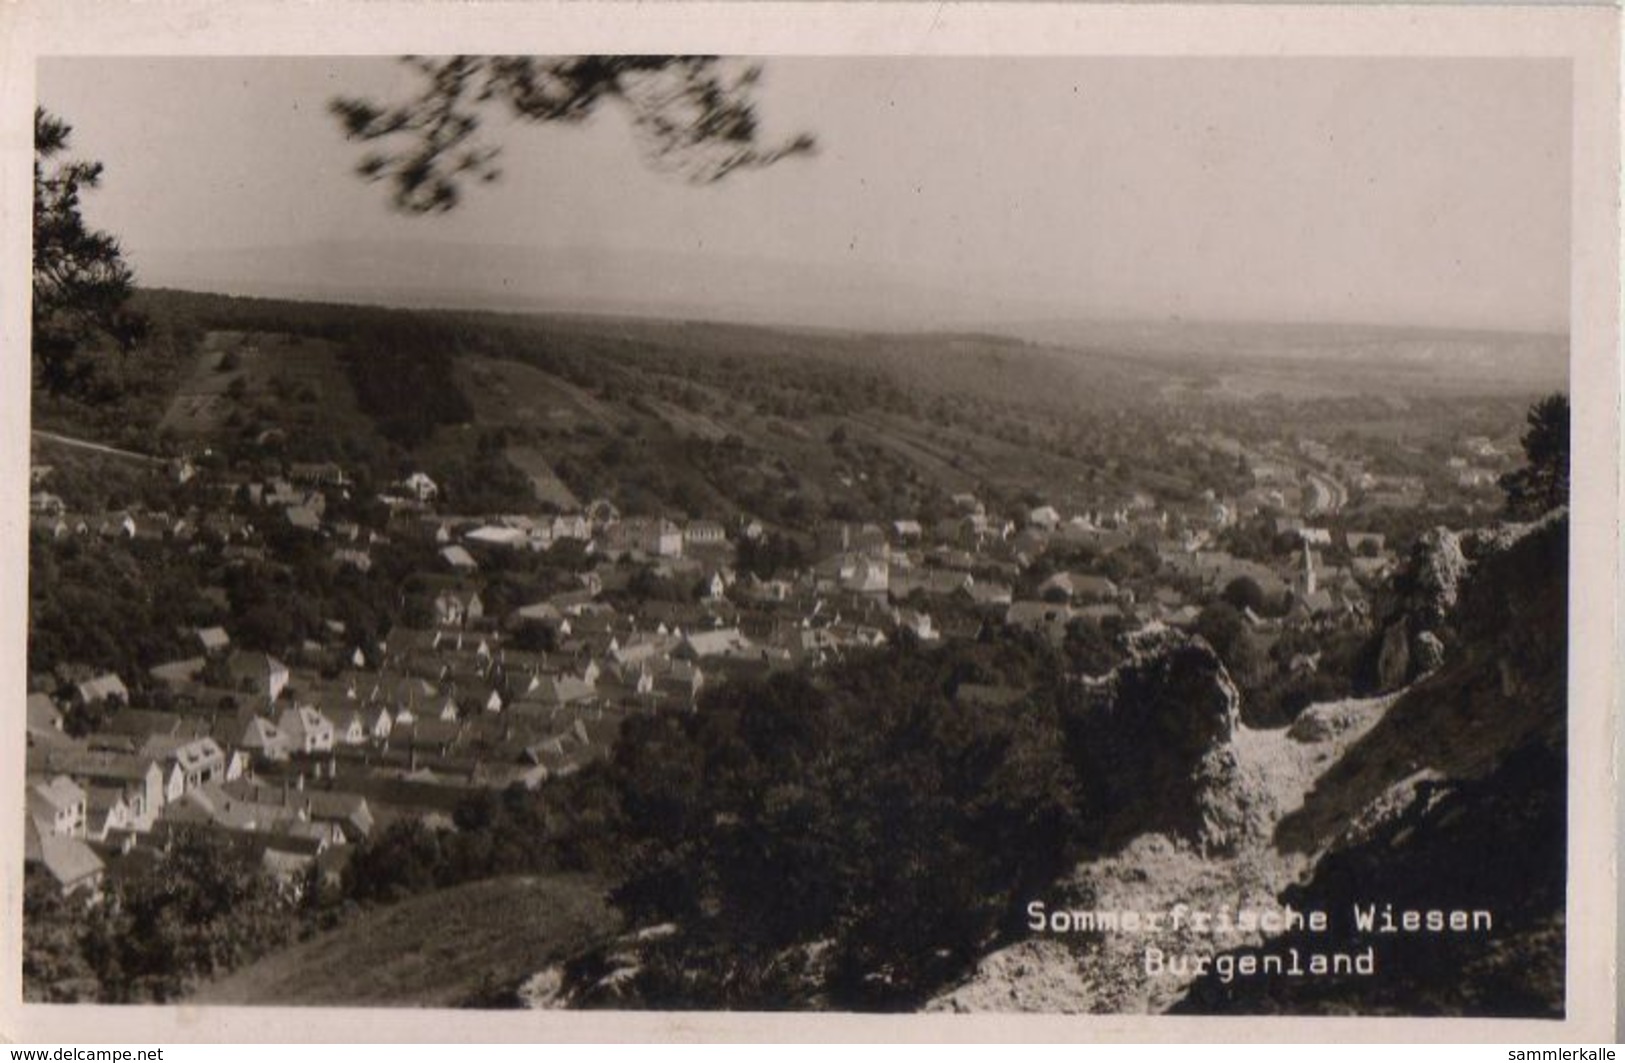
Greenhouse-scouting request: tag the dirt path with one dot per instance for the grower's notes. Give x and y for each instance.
(85, 444)
(1106, 973)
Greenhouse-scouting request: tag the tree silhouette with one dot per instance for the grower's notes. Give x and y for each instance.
(693, 115)
(81, 281)
(1543, 483)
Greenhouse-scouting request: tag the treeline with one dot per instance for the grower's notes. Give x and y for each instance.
(870, 809)
(399, 362)
(199, 908)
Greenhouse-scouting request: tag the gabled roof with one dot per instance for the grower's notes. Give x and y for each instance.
(214, 638)
(88, 764)
(68, 860)
(198, 754)
(103, 687)
(457, 557)
(726, 640)
(58, 794)
(261, 733)
(563, 690)
(302, 720)
(142, 723)
(43, 714)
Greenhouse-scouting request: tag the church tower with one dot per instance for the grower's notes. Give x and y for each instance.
(1306, 582)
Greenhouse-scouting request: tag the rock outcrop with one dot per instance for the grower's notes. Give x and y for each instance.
(1449, 794)
(1159, 727)
(1419, 622)
(1456, 800)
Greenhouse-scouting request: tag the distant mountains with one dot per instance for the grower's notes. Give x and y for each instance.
(703, 287)
(596, 281)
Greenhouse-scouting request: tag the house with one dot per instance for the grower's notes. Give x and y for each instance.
(214, 804)
(379, 722)
(351, 729)
(71, 864)
(704, 533)
(358, 559)
(308, 731)
(304, 517)
(989, 593)
(916, 622)
(1049, 618)
(1045, 517)
(419, 487)
(139, 778)
(863, 574)
(1079, 587)
(719, 643)
(319, 474)
(498, 535)
(106, 811)
(681, 681)
(563, 526)
(174, 781)
(45, 504)
(936, 583)
(349, 812)
(459, 558)
(258, 673)
(657, 537)
(102, 689)
(59, 804)
(214, 640)
(44, 719)
(453, 610)
(553, 691)
(178, 674)
(261, 738)
(200, 761)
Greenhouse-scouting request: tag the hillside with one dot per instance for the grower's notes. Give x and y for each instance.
(455, 947)
(660, 416)
(789, 425)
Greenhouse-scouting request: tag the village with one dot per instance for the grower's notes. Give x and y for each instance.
(304, 752)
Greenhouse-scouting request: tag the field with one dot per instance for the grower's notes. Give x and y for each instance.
(275, 372)
(544, 481)
(441, 949)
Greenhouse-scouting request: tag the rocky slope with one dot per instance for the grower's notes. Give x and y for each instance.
(1446, 793)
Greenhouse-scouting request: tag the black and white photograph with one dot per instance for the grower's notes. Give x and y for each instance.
(929, 535)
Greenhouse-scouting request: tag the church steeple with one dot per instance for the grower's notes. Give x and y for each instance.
(1306, 582)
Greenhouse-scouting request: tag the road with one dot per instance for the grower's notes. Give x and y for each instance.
(85, 444)
(1329, 495)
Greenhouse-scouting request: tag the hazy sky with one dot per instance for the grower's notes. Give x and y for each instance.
(1363, 190)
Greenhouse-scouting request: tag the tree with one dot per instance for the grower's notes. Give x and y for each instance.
(692, 114)
(1244, 592)
(81, 281)
(1543, 483)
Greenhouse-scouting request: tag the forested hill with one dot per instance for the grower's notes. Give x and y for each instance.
(706, 419)
(679, 417)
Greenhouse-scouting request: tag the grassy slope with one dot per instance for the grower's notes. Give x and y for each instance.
(437, 950)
